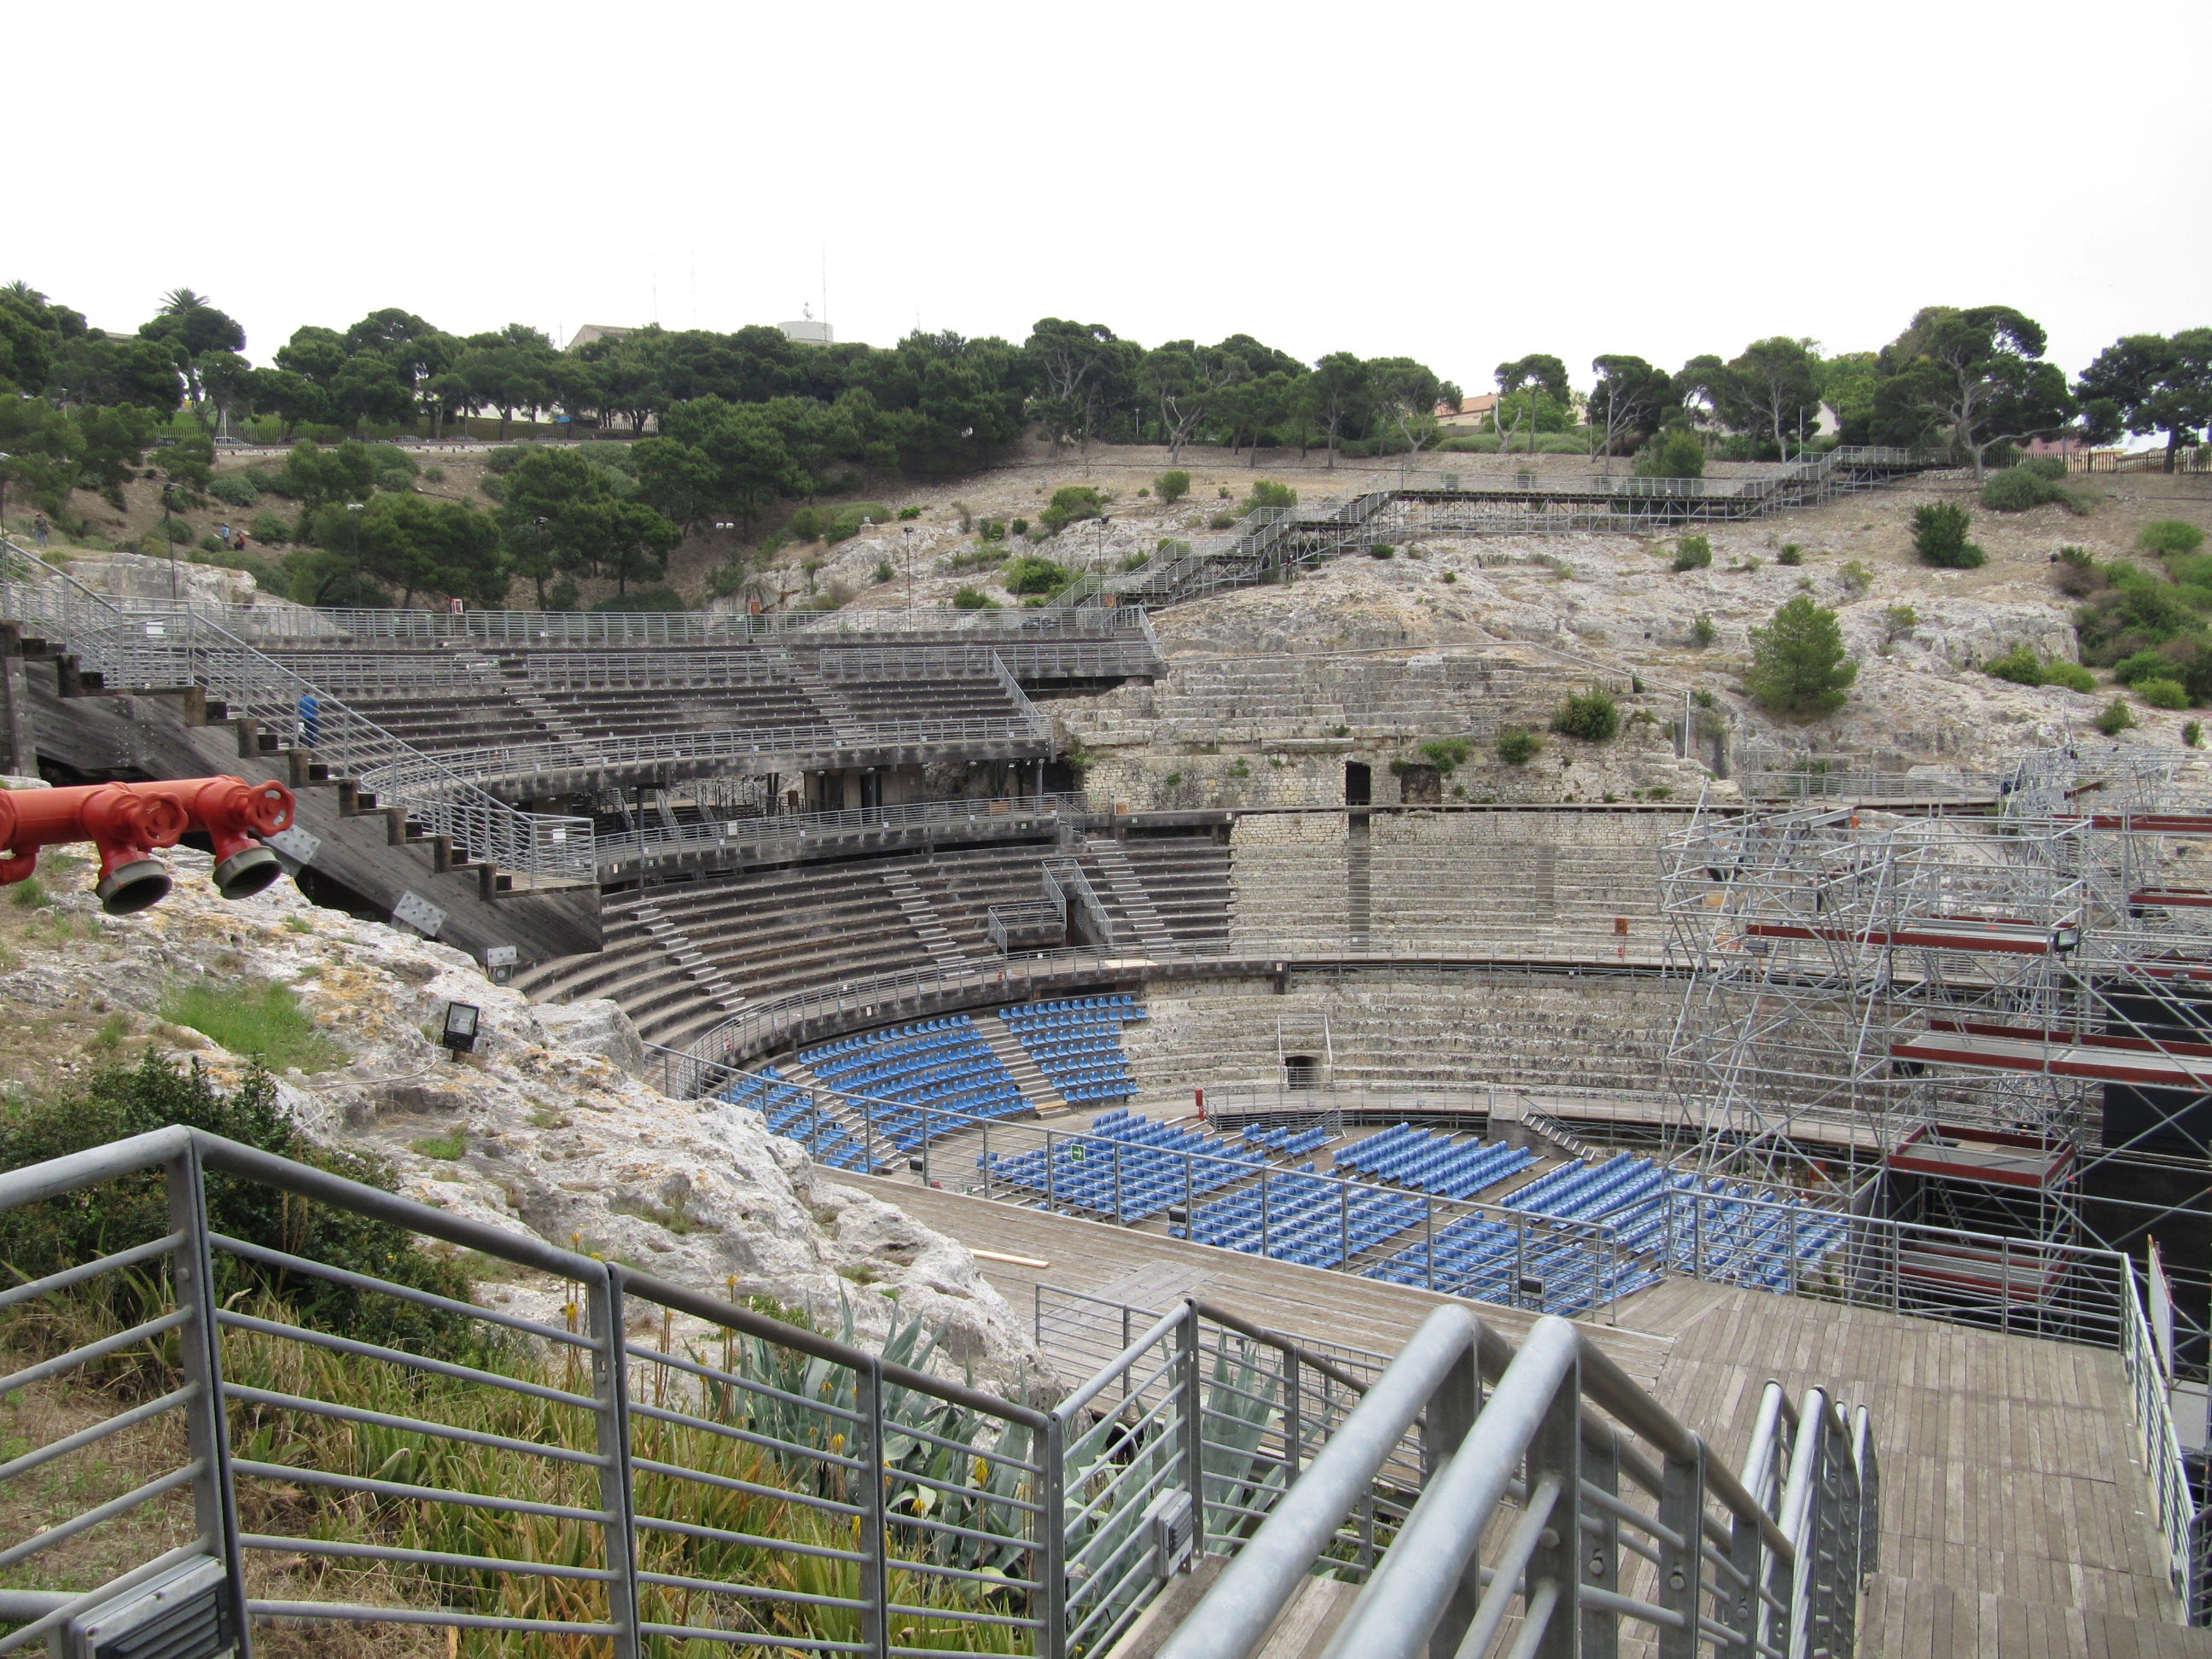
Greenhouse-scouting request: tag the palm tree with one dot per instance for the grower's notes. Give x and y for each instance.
(179, 301)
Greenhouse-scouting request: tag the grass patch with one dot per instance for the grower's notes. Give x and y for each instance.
(267, 1022)
(29, 894)
(452, 1148)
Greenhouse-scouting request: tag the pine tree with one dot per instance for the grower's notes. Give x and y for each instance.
(1799, 668)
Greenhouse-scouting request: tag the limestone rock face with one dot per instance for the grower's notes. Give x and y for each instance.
(543, 1129)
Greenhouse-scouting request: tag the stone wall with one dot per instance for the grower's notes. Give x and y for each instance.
(1527, 1031)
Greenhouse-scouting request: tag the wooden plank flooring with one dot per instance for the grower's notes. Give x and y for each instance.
(2016, 1516)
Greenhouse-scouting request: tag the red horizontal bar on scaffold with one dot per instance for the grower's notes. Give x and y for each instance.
(2025, 939)
(2179, 824)
(1990, 1054)
(2174, 898)
(1985, 1272)
(2086, 1039)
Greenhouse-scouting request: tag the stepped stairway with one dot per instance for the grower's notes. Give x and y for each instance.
(1126, 890)
(514, 681)
(1034, 1084)
(928, 926)
(694, 963)
(834, 706)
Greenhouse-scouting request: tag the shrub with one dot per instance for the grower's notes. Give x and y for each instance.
(883, 571)
(1702, 631)
(1939, 536)
(1589, 716)
(2170, 538)
(807, 525)
(2077, 574)
(1857, 579)
(1222, 521)
(2162, 694)
(1676, 453)
(1172, 486)
(2193, 734)
(1266, 492)
(2020, 664)
(505, 459)
(1031, 575)
(2044, 466)
(269, 527)
(1693, 553)
(212, 543)
(909, 512)
(434, 475)
(1381, 550)
(1070, 504)
(1898, 620)
(991, 530)
(1517, 745)
(1020, 526)
(234, 488)
(117, 1103)
(1799, 668)
(2116, 719)
(852, 520)
(969, 599)
(2017, 488)
(1447, 754)
(1790, 554)
(2072, 675)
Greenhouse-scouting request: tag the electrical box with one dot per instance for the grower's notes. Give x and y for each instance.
(1172, 1519)
(185, 1613)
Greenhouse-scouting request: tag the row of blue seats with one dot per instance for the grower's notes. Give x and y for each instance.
(1127, 1166)
(1301, 1218)
(1434, 1163)
(1584, 1192)
(1493, 1261)
(1100, 1007)
(1287, 1142)
(1077, 1043)
(790, 1112)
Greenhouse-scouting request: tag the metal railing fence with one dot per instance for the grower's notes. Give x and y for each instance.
(753, 749)
(792, 835)
(1539, 1261)
(1195, 1407)
(281, 624)
(658, 1465)
(652, 1465)
(176, 645)
(807, 1014)
(2172, 1495)
(1615, 1513)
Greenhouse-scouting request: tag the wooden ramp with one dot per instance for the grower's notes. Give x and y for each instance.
(2016, 1514)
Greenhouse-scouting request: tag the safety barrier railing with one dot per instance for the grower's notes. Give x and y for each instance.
(1613, 1513)
(2172, 1495)
(772, 1021)
(1271, 539)
(305, 1438)
(794, 834)
(756, 749)
(267, 624)
(1525, 1260)
(154, 646)
(654, 1465)
(2018, 1286)
(1183, 1439)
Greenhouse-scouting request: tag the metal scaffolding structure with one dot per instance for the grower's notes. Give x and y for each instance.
(2000, 1023)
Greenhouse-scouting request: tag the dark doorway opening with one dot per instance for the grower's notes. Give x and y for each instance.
(1300, 1071)
(1358, 783)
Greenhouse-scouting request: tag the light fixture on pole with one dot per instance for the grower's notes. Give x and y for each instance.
(908, 534)
(168, 540)
(459, 1036)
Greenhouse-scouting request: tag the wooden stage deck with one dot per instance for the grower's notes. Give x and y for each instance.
(2016, 1516)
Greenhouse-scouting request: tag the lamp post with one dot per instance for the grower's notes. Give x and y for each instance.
(908, 535)
(353, 516)
(5, 459)
(168, 541)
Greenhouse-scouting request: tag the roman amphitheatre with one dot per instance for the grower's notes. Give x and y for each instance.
(1336, 1078)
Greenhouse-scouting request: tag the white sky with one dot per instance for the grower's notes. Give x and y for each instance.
(1459, 183)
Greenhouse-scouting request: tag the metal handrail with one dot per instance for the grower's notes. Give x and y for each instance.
(141, 649)
(2172, 1498)
(1552, 1437)
(782, 834)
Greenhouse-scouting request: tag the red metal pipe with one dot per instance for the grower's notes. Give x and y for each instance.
(129, 822)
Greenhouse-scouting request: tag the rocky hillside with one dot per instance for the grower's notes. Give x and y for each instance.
(542, 1130)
